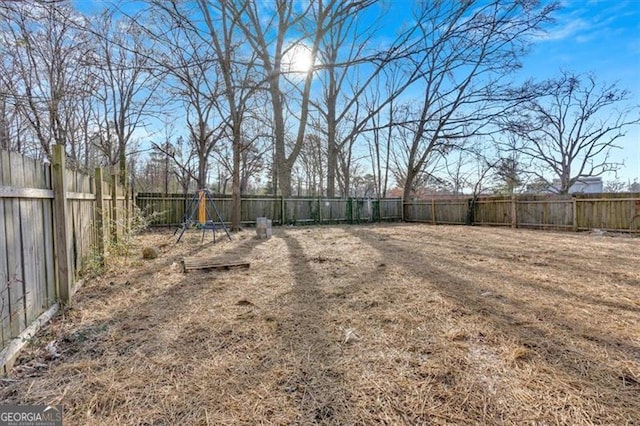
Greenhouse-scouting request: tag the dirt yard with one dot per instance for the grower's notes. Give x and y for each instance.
(395, 324)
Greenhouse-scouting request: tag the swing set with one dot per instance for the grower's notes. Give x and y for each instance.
(199, 216)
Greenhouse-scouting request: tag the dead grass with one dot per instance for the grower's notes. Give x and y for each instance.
(389, 324)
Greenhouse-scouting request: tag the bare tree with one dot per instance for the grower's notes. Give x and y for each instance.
(571, 128)
(186, 166)
(126, 85)
(81, 131)
(381, 135)
(9, 103)
(9, 124)
(43, 44)
(358, 86)
(484, 167)
(340, 51)
(507, 173)
(403, 150)
(311, 163)
(256, 28)
(187, 62)
(469, 48)
(237, 75)
(216, 77)
(615, 185)
(254, 151)
(274, 33)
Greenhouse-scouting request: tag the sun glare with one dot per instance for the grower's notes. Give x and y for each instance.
(297, 60)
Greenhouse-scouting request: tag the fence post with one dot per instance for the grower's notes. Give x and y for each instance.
(126, 203)
(514, 211)
(405, 211)
(433, 211)
(320, 209)
(61, 252)
(375, 210)
(114, 205)
(282, 211)
(575, 213)
(100, 213)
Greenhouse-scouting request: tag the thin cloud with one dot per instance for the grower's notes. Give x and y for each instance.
(584, 22)
(564, 31)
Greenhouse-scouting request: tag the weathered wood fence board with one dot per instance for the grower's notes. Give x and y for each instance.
(169, 209)
(80, 205)
(390, 209)
(608, 213)
(24, 272)
(492, 212)
(444, 211)
(552, 213)
(615, 212)
(31, 253)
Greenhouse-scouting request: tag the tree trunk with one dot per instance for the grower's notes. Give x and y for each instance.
(235, 191)
(332, 149)
(388, 154)
(332, 164)
(471, 207)
(283, 170)
(565, 182)
(408, 185)
(123, 166)
(166, 173)
(4, 126)
(202, 173)
(284, 178)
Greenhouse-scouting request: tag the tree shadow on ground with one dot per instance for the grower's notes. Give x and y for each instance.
(310, 344)
(552, 336)
(130, 341)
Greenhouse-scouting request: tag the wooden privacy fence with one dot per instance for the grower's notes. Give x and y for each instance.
(614, 212)
(52, 221)
(169, 209)
(611, 212)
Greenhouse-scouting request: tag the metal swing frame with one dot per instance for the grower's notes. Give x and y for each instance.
(189, 219)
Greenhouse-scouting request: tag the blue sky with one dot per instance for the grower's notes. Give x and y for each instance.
(603, 37)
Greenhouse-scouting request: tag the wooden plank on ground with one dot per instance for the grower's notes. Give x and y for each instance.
(193, 263)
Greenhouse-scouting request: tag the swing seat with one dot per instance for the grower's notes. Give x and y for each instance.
(207, 225)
